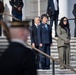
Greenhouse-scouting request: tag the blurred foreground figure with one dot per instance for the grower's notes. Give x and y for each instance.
(1, 17)
(18, 59)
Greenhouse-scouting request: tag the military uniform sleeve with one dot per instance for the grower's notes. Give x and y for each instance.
(12, 3)
(16, 3)
(22, 4)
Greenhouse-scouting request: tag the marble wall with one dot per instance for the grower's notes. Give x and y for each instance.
(31, 9)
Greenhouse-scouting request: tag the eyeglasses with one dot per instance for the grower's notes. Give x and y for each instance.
(64, 20)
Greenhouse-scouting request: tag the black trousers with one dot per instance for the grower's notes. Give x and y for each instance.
(37, 57)
(44, 61)
(75, 31)
(54, 18)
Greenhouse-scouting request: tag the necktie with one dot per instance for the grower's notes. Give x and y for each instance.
(55, 4)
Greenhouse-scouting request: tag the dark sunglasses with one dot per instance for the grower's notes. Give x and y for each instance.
(65, 20)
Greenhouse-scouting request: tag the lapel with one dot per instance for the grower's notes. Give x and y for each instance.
(43, 26)
(35, 27)
(57, 1)
(64, 30)
(48, 27)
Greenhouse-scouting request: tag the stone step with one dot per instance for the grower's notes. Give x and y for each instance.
(56, 55)
(53, 46)
(4, 39)
(73, 41)
(58, 66)
(54, 52)
(54, 43)
(57, 72)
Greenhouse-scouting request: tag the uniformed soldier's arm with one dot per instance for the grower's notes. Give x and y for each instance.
(12, 3)
(22, 4)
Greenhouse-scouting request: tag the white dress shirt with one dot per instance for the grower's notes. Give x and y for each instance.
(36, 25)
(55, 4)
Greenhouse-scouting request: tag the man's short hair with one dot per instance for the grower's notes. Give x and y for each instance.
(44, 15)
(36, 17)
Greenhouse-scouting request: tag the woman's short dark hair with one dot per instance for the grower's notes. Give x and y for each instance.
(44, 15)
(62, 24)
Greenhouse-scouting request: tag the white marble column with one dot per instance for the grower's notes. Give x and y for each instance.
(63, 5)
(70, 15)
(34, 8)
(26, 9)
(66, 8)
(7, 10)
(38, 7)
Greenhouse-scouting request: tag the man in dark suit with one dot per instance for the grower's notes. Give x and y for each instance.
(34, 38)
(18, 59)
(17, 6)
(45, 41)
(53, 12)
